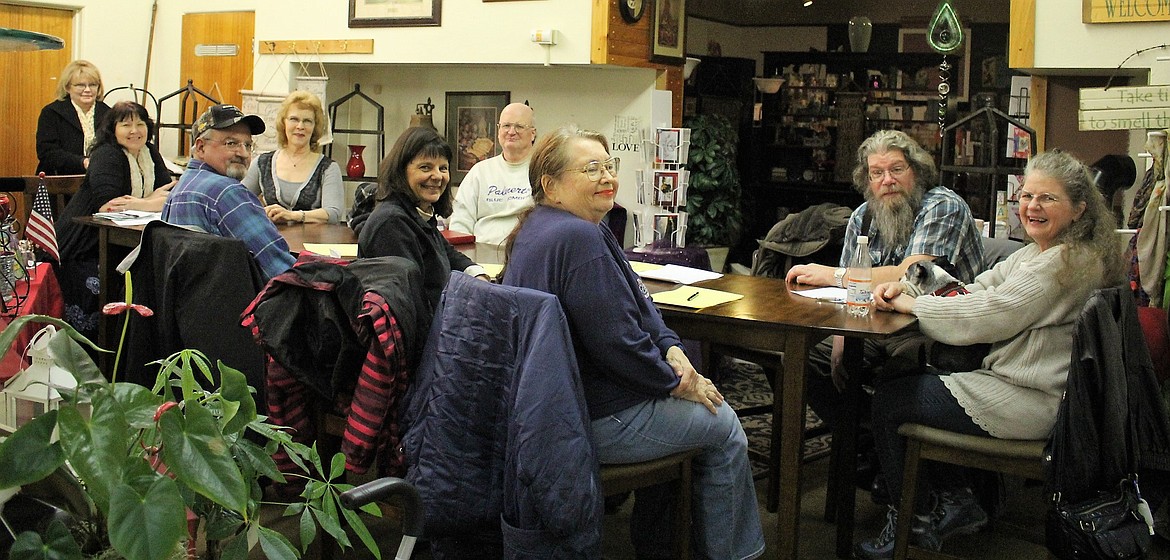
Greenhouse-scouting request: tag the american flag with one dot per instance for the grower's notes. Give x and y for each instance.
(40, 223)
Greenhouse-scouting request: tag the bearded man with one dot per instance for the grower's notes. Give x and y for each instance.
(907, 219)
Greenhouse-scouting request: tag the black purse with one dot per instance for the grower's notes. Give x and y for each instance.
(1114, 525)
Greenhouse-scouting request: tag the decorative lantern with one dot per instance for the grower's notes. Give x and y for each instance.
(34, 391)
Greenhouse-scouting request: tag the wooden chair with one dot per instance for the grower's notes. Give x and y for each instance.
(1023, 458)
(60, 188)
(619, 479)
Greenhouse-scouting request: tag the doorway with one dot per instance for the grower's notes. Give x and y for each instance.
(34, 86)
(217, 58)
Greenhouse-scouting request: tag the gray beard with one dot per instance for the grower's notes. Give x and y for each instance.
(895, 220)
(236, 171)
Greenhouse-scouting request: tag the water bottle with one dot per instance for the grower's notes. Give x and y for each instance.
(859, 280)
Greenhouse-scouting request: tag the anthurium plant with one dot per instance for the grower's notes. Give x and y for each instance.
(155, 461)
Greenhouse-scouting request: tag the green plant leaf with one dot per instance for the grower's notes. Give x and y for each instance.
(307, 529)
(258, 458)
(198, 455)
(96, 447)
(58, 544)
(234, 548)
(234, 390)
(147, 526)
(276, 546)
(330, 520)
(337, 466)
(359, 528)
(138, 404)
(29, 454)
(68, 354)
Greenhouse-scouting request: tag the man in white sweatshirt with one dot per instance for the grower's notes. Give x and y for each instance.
(496, 190)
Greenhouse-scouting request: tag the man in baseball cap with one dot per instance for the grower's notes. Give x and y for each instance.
(209, 196)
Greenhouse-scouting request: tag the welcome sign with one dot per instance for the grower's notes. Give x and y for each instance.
(1124, 11)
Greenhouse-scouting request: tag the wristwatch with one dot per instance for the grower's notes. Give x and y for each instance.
(839, 276)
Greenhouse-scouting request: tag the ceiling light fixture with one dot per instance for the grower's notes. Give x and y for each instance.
(808, 3)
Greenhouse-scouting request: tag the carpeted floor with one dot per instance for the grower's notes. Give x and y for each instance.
(744, 385)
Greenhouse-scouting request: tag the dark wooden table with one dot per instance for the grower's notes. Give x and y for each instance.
(769, 317)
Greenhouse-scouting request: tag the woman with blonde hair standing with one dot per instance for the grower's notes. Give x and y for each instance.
(65, 129)
(297, 183)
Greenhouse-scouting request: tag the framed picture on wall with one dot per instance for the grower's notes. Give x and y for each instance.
(472, 118)
(669, 29)
(394, 13)
(923, 84)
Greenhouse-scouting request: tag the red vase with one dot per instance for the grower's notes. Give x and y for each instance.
(356, 168)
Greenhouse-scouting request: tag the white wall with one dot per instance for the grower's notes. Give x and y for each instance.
(1062, 41)
(479, 46)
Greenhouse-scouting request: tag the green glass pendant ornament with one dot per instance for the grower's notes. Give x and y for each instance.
(945, 33)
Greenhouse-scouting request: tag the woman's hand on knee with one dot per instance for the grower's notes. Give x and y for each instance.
(703, 392)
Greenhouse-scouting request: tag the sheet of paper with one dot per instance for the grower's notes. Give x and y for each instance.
(695, 298)
(830, 295)
(130, 217)
(679, 274)
(341, 250)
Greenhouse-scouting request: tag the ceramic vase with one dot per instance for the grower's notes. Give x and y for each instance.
(860, 30)
(356, 168)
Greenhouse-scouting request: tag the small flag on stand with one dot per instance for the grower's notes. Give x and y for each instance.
(40, 223)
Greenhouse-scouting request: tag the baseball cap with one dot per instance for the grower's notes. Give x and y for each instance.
(223, 116)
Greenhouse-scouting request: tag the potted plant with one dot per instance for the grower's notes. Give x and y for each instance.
(714, 214)
(157, 462)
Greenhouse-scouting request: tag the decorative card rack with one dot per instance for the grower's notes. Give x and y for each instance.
(662, 190)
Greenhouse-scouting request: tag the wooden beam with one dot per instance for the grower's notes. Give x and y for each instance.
(1022, 34)
(321, 46)
(599, 47)
(1038, 109)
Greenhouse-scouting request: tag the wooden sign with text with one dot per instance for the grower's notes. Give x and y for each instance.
(1124, 108)
(1124, 11)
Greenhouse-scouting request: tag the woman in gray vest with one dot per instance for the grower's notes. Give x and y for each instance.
(296, 183)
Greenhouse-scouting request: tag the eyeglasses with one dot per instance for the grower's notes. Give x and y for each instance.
(895, 172)
(84, 87)
(234, 145)
(1045, 199)
(592, 170)
(297, 120)
(514, 126)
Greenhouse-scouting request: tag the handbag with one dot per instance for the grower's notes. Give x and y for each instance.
(1114, 525)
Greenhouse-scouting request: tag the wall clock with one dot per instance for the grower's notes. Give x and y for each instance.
(632, 10)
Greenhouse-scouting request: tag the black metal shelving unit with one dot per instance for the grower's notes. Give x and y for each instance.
(357, 96)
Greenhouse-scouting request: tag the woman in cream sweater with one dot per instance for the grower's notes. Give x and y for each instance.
(1026, 307)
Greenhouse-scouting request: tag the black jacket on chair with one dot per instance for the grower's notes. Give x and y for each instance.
(1111, 387)
(198, 284)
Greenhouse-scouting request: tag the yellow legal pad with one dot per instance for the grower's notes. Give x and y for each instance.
(696, 298)
(493, 270)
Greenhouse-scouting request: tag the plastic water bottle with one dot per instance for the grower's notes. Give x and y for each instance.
(859, 280)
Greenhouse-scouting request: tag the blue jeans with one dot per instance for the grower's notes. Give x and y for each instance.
(921, 399)
(725, 514)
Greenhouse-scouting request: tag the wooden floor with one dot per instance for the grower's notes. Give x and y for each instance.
(1004, 539)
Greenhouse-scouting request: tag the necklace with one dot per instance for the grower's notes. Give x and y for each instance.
(297, 160)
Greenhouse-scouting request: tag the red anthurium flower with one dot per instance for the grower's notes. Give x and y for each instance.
(119, 307)
(163, 408)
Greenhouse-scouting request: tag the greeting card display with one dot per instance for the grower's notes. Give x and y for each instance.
(662, 189)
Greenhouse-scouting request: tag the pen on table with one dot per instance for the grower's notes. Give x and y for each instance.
(692, 296)
(830, 300)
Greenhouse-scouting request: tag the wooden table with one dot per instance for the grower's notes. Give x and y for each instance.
(769, 317)
(111, 235)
